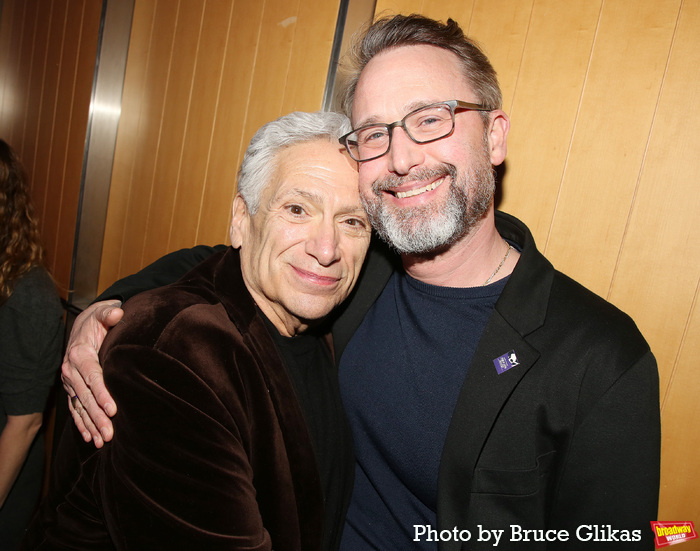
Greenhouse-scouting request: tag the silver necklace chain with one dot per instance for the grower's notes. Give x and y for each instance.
(500, 265)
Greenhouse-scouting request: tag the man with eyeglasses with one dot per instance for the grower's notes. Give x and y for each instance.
(493, 401)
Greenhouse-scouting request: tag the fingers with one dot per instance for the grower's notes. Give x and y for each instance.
(109, 313)
(84, 431)
(82, 378)
(91, 404)
(84, 423)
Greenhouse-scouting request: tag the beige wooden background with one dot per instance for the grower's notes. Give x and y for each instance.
(602, 164)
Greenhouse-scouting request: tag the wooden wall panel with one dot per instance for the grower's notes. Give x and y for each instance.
(135, 98)
(602, 164)
(681, 437)
(47, 60)
(229, 134)
(279, 26)
(658, 274)
(309, 90)
(167, 91)
(389, 7)
(75, 92)
(197, 143)
(66, 65)
(502, 38)
(612, 130)
(34, 40)
(657, 253)
(535, 169)
(202, 77)
(51, 32)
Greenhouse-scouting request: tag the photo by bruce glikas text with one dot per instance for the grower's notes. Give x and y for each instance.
(516, 533)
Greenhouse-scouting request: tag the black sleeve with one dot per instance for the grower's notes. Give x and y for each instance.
(163, 271)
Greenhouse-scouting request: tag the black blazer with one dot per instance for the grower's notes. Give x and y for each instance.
(568, 438)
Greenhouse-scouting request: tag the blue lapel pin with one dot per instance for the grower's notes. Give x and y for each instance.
(506, 361)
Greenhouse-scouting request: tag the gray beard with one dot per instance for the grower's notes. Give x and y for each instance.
(429, 228)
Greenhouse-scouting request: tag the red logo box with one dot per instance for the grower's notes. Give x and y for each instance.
(671, 533)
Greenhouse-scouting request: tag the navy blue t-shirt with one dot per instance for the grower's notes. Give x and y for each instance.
(400, 377)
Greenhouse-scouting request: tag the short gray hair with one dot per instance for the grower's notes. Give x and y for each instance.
(260, 159)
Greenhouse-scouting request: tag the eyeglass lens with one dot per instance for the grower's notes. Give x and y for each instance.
(424, 125)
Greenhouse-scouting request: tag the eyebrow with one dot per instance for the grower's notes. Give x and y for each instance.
(319, 199)
(310, 195)
(407, 108)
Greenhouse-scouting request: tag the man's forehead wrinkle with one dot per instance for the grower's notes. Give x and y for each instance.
(299, 192)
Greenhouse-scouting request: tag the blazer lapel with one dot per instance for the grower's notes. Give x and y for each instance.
(240, 306)
(520, 310)
(481, 398)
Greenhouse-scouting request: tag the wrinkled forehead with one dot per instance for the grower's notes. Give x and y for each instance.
(398, 80)
(319, 169)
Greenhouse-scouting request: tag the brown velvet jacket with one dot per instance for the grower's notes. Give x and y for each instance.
(212, 450)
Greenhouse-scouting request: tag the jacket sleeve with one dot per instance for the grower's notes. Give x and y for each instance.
(179, 473)
(611, 475)
(163, 271)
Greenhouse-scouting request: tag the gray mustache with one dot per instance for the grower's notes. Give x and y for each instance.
(391, 181)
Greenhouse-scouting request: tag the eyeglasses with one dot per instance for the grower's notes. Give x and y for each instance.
(424, 125)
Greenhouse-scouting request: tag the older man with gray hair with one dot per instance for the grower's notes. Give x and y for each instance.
(231, 430)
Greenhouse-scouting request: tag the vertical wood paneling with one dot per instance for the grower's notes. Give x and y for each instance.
(40, 16)
(47, 108)
(278, 28)
(166, 86)
(64, 63)
(228, 133)
(47, 60)
(8, 39)
(23, 65)
(459, 10)
(535, 167)
(658, 246)
(84, 21)
(389, 7)
(502, 38)
(612, 130)
(658, 273)
(211, 47)
(138, 101)
(680, 435)
(202, 77)
(309, 90)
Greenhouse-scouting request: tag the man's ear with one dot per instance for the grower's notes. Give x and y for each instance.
(239, 222)
(498, 136)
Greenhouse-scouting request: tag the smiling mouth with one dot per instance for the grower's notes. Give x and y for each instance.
(317, 279)
(413, 192)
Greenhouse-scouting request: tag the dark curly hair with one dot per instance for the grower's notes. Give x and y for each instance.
(20, 242)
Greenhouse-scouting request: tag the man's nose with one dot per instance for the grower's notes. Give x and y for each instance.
(404, 154)
(323, 243)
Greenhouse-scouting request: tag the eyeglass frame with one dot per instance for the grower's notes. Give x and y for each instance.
(453, 104)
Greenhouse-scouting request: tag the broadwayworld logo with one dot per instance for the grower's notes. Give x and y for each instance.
(670, 533)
